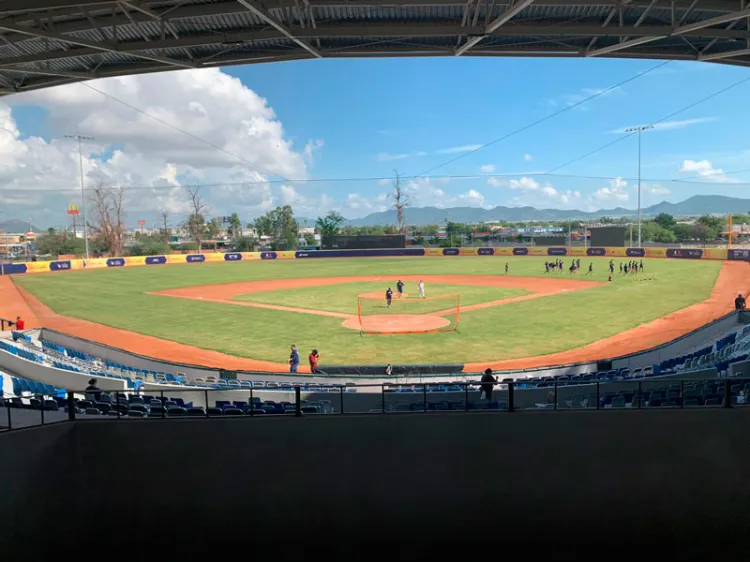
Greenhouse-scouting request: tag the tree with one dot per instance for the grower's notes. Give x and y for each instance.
(165, 230)
(59, 243)
(196, 223)
(400, 202)
(213, 229)
(281, 225)
(665, 220)
(654, 232)
(108, 217)
(235, 226)
(245, 244)
(310, 240)
(329, 225)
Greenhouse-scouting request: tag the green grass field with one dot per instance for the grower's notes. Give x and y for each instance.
(117, 297)
(343, 298)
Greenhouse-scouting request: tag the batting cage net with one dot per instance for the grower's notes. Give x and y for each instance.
(408, 315)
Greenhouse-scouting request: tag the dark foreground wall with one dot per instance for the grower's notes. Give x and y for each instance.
(589, 483)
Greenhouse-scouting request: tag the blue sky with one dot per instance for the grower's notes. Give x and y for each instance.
(365, 118)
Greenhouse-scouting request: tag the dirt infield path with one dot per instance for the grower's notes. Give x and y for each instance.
(541, 287)
(733, 278)
(12, 304)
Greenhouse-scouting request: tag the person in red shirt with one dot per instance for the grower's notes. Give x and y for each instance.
(20, 324)
(314, 358)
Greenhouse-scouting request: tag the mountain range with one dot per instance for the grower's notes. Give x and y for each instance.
(694, 206)
(16, 226)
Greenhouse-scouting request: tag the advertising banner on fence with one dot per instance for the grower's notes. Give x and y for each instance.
(715, 254)
(596, 251)
(539, 251)
(97, 263)
(738, 254)
(137, 260)
(685, 253)
(655, 252)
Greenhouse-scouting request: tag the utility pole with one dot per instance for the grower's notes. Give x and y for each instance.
(80, 138)
(639, 130)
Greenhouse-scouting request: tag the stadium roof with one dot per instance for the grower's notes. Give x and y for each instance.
(50, 42)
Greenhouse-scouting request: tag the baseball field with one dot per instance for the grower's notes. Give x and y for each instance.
(252, 311)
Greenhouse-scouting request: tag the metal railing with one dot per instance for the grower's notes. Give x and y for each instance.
(382, 399)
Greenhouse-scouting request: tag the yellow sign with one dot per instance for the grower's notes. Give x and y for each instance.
(73, 209)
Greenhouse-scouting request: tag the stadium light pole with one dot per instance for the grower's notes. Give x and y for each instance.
(639, 130)
(80, 138)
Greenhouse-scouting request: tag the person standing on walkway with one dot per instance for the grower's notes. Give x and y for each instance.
(293, 359)
(487, 384)
(314, 358)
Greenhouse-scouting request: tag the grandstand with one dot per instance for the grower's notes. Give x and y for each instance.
(44, 375)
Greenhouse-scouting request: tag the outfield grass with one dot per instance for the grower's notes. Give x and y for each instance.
(117, 297)
(343, 298)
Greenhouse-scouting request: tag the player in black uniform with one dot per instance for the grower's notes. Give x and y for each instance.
(388, 298)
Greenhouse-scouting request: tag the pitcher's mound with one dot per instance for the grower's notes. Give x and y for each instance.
(381, 295)
(397, 323)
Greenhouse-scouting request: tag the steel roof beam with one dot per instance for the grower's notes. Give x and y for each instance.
(96, 46)
(266, 17)
(682, 30)
(724, 55)
(508, 14)
(360, 30)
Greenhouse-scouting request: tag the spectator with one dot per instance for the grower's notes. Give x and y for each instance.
(739, 302)
(20, 324)
(487, 385)
(93, 392)
(293, 359)
(314, 358)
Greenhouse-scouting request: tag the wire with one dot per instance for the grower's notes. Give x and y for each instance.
(370, 179)
(547, 118)
(188, 133)
(673, 114)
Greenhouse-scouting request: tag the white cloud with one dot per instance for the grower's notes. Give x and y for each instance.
(487, 169)
(704, 169)
(458, 149)
(655, 189)
(524, 184)
(616, 191)
(567, 100)
(672, 125)
(423, 192)
(311, 147)
(384, 181)
(528, 157)
(387, 157)
(132, 149)
(534, 193)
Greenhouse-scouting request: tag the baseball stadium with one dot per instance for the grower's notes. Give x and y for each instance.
(418, 394)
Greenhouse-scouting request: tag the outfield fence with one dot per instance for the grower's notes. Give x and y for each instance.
(518, 251)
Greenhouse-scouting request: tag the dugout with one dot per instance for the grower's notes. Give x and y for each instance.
(363, 242)
(609, 236)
